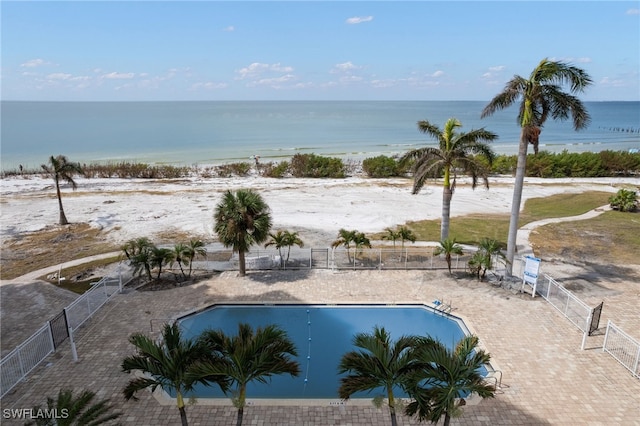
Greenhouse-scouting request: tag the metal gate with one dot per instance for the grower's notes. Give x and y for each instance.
(595, 318)
(59, 329)
(320, 258)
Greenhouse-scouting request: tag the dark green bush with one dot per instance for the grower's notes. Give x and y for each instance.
(233, 169)
(382, 167)
(316, 166)
(274, 170)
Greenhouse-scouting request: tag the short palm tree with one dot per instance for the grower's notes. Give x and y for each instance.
(625, 200)
(60, 168)
(456, 152)
(195, 248)
(391, 235)
(241, 220)
(442, 378)
(406, 234)
(180, 257)
(284, 239)
(161, 256)
(248, 357)
(167, 364)
(345, 239)
(379, 363)
(138, 253)
(448, 247)
(540, 96)
(76, 410)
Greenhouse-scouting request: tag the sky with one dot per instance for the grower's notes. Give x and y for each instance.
(303, 50)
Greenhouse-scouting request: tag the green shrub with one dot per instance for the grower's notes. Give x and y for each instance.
(625, 200)
(381, 167)
(274, 170)
(233, 169)
(315, 166)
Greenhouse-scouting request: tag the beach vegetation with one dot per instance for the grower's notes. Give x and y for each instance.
(625, 200)
(70, 409)
(448, 247)
(348, 238)
(61, 169)
(283, 239)
(482, 260)
(168, 363)
(383, 166)
(442, 378)
(275, 170)
(249, 356)
(195, 248)
(540, 96)
(379, 363)
(242, 219)
(457, 152)
(240, 169)
(129, 170)
(316, 166)
(402, 233)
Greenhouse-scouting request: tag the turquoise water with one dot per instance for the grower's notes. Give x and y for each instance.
(216, 132)
(322, 334)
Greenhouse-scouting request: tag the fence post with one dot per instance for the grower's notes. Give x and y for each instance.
(548, 287)
(606, 336)
(74, 352)
(53, 345)
(586, 329)
(120, 277)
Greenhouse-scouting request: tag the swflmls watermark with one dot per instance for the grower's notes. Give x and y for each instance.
(35, 413)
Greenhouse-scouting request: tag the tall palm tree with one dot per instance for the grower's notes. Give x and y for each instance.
(160, 257)
(391, 235)
(443, 376)
(379, 363)
(540, 95)
(60, 168)
(455, 152)
(167, 364)
(242, 219)
(448, 247)
(195, 248)
(248, 357)
(76, 410)
(292, 239)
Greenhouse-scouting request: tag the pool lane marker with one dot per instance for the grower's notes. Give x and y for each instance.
(306, 376)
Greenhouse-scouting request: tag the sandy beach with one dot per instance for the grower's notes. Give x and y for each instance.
(317, 208)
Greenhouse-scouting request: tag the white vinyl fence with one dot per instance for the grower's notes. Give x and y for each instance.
(15, 366)
(624, 348)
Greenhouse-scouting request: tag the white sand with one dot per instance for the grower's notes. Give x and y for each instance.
(317, 208)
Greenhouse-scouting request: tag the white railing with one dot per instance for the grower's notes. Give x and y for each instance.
(574, 309)
(20, 361)
(624, 348)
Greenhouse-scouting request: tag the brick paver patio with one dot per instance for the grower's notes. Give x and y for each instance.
(547, 379)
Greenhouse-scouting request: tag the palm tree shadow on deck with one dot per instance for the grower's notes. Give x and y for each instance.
(278, 276)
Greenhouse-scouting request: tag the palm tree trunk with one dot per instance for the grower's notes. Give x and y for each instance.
(183, 413)
(240, 415)
(241, 263)
(447, 419)
(392, 407)
(63, 217)
(515, 204)
(446, 212)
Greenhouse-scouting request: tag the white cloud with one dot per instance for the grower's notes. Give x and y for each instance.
(633, 12)
(256, 69)
(497, 68)
(344, 68)
(35, 63)
(59, 76)
(229, 29)
(119, 75)
(359, 19)
(274, 82)
(569, 59)
(438, 73)
(208, 86)
(381, 84)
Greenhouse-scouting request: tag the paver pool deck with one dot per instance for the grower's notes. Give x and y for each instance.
(547, 379)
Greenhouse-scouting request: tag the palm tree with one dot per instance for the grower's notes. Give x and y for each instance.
(391, 235)
(406, 234)
(76, 410)
(167, 364)
(456, 152)
(443, 376)
(60, 168)
(448, 248)
(194, 248)
(379, 363)
(246, 358)
(345, 238)
(160, 256)
(284, 239)
(138, 252)
(180, 257)
(242, 219)
(625, 200)
(491, 248)
(540, 96)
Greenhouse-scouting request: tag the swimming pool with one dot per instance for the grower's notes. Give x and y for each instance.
(322, 334)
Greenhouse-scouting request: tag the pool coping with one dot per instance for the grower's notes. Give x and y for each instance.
(164, 398)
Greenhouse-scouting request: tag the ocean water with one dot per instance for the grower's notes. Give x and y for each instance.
(218, 132)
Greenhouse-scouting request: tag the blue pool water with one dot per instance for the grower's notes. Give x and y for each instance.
(321, 334)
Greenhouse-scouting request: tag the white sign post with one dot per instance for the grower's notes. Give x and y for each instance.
(530, 274)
